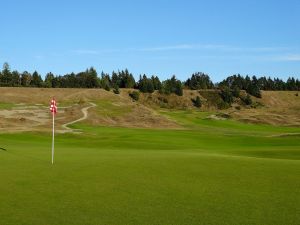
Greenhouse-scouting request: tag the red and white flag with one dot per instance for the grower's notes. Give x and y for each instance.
(53, 107)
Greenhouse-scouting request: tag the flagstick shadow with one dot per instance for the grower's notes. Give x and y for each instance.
(26, 156)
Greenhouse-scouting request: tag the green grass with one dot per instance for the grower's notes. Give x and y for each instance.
(4, 105)
(214, 172)
(198, 120)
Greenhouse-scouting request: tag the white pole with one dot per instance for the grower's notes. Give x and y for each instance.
(53, 138)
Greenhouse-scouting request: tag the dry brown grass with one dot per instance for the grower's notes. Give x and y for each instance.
(30, 108)
(172, 101)
(43, 95)
(277, 108)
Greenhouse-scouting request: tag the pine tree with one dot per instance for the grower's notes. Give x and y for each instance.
(36, 80)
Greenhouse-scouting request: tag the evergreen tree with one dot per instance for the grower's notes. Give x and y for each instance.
(156, 83)
(253, 88)
(91, 78)
(6, 75)
(15, 79)
(48, 80)
(226, 95)
(199, 81)
(145, 84)
(115, 79)
(172, 86)
(298, 85)
(105, 81)
(236, 91)
(26, 79)
(36, 80)
(291, 84)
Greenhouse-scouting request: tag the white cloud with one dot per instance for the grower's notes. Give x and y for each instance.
(216, 47)
(291, 57)
(193, 47)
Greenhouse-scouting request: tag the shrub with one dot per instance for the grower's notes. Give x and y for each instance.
(116, 90)
(236, 92)
(223, 115)
(247, 100)
(135, 95)
(197, 102)
(254, 91)
(226, 95)
(223, 105)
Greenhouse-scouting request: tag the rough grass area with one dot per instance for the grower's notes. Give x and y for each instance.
(275, 107)
(213, 172)
(4, 105)
(114, 109)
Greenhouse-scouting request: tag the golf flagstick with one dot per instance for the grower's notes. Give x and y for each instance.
(53, 110)
(52, 138)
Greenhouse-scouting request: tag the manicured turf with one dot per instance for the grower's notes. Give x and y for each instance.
(214, 172)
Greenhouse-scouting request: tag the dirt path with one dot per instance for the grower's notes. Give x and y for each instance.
(85, 116)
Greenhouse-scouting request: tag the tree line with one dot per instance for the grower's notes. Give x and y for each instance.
(147, 84)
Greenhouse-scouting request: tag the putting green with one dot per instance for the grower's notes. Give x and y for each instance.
(213, 172)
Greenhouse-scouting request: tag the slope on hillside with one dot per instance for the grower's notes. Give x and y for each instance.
(27, 108)
(275, 108)
(24, 109)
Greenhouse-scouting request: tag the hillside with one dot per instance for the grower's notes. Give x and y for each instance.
(275, 107)
(27, 108)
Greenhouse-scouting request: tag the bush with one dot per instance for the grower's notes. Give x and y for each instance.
(223, 115)
(197, 102)
(247, 100)
(236, 92)
(106, 88)
(223, 105)
(254, 91)
(116, 90)
(226, 95)
(135, 95)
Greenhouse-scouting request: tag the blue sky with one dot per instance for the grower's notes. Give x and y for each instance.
(163, 37)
